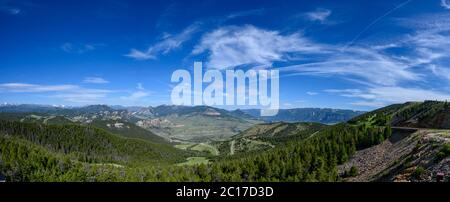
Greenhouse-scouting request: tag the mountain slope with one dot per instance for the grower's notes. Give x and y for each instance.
(116, 126)
(22, 108)
(409, 155)
(418, 150)
(128, 130)
(265, 136)
(280, 130)
(91, 144)
(197, 123)
(320, 115)
(428, 114)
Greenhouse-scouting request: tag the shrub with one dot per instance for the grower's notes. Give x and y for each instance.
(353, 171)
(418, 172)
(443, 152)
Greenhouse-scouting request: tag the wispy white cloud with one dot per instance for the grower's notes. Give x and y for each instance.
(287, 104)
(15, 7)
(76, 94)
(34, 88)
(136, 95)
(168, 43)
(384, 76)
(294, 104)
(363, 63)
(440, 71)
(82, 96)
(140, 93)
(445, 4)
(311, 93)
(425, 50)
(351, 93)
(248, 45)
(429, 45)
(233, 46)
(380, 96)
(140, 86)
(18, 7)
(368, 103)
(319, 15)
(245, 13)
(95, 80)
(11, 10)
(70, 93)
(376, 20)
(79, 48)
(424, 56)
(404, 94)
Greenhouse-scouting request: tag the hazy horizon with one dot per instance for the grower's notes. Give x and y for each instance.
(143, 106)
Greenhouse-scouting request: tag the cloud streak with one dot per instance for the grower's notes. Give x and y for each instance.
(95, 80)
(319, 15)
(380, 96)
(379, 18)
(166, 45)
(79, 48)
(34, 88)
(233, 46)
(445, 4)
(16, 7)
(245, 13)
(71, 93)
(358, 63)
(140, 93)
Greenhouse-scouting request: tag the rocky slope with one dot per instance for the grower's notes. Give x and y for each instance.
(418, 149)
(408, 155)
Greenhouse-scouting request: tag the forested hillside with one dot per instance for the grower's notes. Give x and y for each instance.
(119, 127)
(428, 114)
(266, 136)
(89, 144)
(32, 152)
(127, 129)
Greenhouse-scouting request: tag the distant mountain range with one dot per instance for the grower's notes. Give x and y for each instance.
(194, 123)
(319, 115)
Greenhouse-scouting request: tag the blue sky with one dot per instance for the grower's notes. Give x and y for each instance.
(339, 54)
